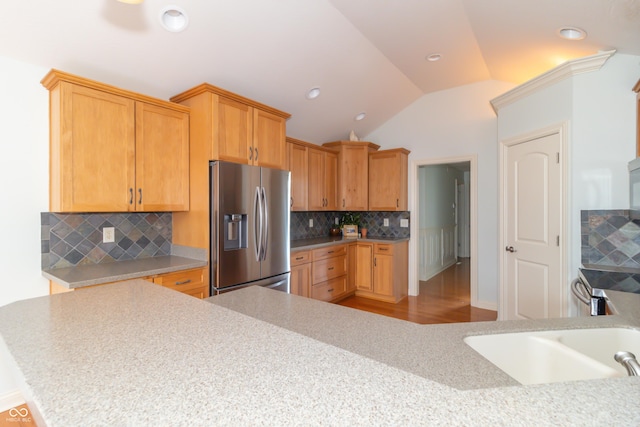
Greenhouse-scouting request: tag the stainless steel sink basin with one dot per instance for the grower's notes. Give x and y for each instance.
(554, 356)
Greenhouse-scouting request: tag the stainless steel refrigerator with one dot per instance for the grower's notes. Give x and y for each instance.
(249, 227)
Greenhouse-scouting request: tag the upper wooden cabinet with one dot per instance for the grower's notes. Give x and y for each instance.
(323, 184)
(298, 160)
(235, 128)
(353, 173)
(388, 185)
(113, 150)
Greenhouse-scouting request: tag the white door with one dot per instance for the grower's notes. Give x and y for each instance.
(532, 286)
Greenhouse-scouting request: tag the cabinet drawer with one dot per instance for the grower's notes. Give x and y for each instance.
(186, 281)
(326, 291)
(383, 248)
(329, 268)
(329, 252)
(300, 257)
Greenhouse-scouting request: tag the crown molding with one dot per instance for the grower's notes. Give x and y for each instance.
(551, 77)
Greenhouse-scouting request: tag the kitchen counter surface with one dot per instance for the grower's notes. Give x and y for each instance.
(134, 353)
(96, 274)
(319, 242)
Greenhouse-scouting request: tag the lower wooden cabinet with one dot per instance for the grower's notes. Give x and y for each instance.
(190, 282)
(300, 273)
(382, 271)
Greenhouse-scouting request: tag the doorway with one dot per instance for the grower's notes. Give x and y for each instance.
(444, 202)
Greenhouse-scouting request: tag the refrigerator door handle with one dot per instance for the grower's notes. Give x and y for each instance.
(258, 221)
(265, 236)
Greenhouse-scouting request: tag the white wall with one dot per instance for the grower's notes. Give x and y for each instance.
(24, 174)
(457, 122)
(600, 109)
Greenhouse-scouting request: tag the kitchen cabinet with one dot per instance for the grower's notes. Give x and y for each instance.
(353, 173)
(113, 150)
(388, 180)
(352, 264)
(298, 160)
(300, 273)
(190, 282)
(382, 271)
(323, 184)
(236, 129)
(329, 273)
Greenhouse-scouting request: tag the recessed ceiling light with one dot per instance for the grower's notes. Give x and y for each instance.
(313, 93)
(131, 1)
(434, 57)
(360, 116)
(572, 33)
(174, 19)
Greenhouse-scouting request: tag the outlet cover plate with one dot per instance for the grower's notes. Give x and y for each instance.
(404, 223)
(108, 235)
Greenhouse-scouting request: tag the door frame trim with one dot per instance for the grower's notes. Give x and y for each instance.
(562, 129)
(473, 221)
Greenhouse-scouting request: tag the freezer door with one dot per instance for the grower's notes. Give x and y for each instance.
(276, 185)
(234, 235)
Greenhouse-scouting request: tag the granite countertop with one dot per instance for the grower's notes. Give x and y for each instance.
(134, 353)
(319, 242)
(182, 258)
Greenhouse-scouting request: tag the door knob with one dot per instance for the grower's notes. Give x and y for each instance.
(510, 249)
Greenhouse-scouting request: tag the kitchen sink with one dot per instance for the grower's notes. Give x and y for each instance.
(554, 356)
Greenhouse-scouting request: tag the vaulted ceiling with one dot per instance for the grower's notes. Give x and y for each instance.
(365, 55)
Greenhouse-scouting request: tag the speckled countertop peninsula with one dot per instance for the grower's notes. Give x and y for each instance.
(318, 242)
(137, 354)
(182, 258)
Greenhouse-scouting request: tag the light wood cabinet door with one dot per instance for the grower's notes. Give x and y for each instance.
(353, 176)
(162, 159)
(364, 267)
(388, 180)
(190, 282)
(234, 131)
(316, 189)
(92, 150)
(352, 264)
(300, 282)
(331, 181)
(383, 275)
(299, 167)
(269, 140)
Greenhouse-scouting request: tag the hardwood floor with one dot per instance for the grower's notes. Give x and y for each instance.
(443, 299)
(17, 417)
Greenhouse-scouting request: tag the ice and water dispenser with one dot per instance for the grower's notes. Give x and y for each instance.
(235, 231)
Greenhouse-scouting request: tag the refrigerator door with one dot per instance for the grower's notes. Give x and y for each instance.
(276, 185)
(235, 224)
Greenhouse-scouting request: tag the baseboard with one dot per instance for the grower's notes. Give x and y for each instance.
(485, 305)
(11, 400)
(439, 270)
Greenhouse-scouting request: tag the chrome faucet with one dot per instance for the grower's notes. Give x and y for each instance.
(628, 360)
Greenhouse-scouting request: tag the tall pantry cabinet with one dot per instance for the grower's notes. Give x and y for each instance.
(224, 126)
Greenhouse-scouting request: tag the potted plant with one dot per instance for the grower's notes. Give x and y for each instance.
(349, 222)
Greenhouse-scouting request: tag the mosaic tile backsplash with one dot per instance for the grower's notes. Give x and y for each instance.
(610, 238)
(76, 239)
(322, 222)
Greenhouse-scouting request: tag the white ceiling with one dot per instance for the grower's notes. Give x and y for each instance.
(365, 55)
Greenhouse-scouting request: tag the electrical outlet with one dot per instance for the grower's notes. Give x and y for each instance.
(404, 223)
(310, 222)
(385, 222)
(336, 221)
(108, 235)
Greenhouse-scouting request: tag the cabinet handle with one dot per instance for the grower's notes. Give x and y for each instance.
(375, 262)
(184, 282)
(330, 290)
(383, 249)
(330, 252)
(250, 153)
(343, 203)
(291, 202)
(140, 192)
(397, 203)
(257, 154)
(299, 258)
(130, 196)
(330, 268)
